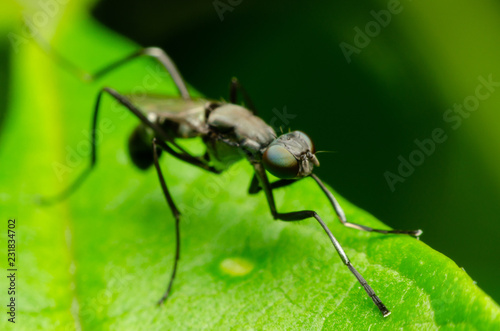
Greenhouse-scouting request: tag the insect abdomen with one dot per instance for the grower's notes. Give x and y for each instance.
(140, 148)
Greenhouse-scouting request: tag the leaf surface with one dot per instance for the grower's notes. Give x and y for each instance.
(101, 259)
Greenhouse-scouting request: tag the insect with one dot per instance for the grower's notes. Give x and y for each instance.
(230, 133)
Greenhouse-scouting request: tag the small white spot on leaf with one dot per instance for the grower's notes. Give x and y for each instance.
(236, 266)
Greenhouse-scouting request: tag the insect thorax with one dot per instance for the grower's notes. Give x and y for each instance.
(235, 132)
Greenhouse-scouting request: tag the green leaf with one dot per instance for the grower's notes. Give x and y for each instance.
(101, 259)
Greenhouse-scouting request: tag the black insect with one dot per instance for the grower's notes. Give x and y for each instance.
(230, 133)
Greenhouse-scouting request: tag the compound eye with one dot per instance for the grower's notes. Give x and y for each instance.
(280, 162)
(308, 140)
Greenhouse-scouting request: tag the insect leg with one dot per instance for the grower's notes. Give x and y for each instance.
(255, 187)
(93, 155)
(156, 128)
(304, 214)
(154, 52)
(158, 54)
(236, 86)
(340, 213)
(186, 157)
(176, 214)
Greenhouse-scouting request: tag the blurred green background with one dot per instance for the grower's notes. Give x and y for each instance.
(369, 111)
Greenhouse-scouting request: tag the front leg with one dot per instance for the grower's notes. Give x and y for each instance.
(304, 214)
(340, 213)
